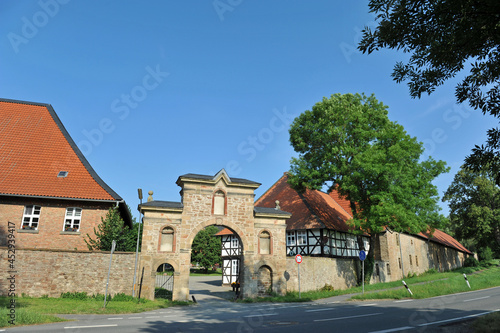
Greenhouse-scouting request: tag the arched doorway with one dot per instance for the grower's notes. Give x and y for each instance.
(164, 281)
(215, 270)
(265, 281)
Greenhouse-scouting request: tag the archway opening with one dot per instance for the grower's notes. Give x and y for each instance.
(265, 281)
(216, 264)
(164, 281)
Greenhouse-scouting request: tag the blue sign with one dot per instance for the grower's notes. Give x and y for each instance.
(362, 255)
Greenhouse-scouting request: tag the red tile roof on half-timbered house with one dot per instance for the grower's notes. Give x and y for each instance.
(35, 147)
(315, 210)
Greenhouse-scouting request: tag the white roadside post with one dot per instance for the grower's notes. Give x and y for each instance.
(465, 276)
(113, 245)
(298, 260)
(362, 257)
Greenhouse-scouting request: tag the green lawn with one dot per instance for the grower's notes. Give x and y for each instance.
(425, 285)
(41, 310)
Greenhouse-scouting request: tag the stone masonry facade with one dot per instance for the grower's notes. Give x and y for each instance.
(194, 213)
(52, 272)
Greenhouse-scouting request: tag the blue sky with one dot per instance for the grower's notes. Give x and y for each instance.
(151, 90)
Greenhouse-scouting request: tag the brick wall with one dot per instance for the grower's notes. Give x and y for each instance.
(52, 272)
(50, 234)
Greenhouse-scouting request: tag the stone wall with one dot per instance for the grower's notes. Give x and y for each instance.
(316, 272)
(419, 255)
(52, 272)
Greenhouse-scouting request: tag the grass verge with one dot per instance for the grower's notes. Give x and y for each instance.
(30, 310)
(428, 284)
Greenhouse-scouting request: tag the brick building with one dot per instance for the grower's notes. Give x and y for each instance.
(48, 190)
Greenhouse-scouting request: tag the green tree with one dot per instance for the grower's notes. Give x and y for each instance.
(474, 201)
(112, 228)
(443, 37)
(348, 143)
(206, 248)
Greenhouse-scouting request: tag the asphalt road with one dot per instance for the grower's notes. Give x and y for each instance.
(327, 315)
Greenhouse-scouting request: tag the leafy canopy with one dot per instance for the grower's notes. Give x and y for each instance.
(112, 228)
(206, 248)
(348, 143)
(445, 38)
(474, 201)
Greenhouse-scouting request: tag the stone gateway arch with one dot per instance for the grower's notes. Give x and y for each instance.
(170, 227)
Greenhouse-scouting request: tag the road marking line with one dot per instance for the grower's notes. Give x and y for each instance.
(404, 300)
(115, 318)
(459, 318)
(349, 317)
(371, 304)
(316, 310)
(475, 299)
(153, 317)
(93, 326)
(261, 315)
(397, 329)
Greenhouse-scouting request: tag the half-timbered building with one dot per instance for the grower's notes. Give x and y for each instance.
(318, 225)
(230, 255)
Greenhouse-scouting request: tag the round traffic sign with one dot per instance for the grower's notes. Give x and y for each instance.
(362, 255)
(298, 258)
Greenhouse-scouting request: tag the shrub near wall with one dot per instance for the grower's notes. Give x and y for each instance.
(52, 272)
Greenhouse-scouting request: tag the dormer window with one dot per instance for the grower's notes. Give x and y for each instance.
(62, 174)
(219, 203)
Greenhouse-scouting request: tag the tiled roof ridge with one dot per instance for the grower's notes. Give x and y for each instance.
(285, 174)
(72, 144)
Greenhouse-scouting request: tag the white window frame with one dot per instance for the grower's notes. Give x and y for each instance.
(29, 219)
(70, 221)
(290, 238)
(301, 238)
(235, 243)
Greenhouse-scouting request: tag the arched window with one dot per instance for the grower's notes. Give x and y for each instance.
(265, 242)
(219, 203)
(167, 239)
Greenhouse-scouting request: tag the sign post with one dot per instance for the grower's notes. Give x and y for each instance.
(362, 257)
(113, 246)
(298, 260)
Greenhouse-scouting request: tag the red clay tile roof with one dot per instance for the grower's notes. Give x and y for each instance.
(310, 210)
(315, 209)
(224, 232)
(35, 147)
(443, 238)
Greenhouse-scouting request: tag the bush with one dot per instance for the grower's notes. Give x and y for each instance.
(75, 295)
(327, 287)
(485, 254)
(122, 297)
(431, 271)
(471, 262)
